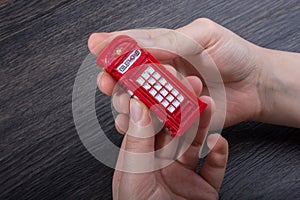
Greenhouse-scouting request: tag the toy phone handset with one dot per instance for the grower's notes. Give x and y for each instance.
(146, 79)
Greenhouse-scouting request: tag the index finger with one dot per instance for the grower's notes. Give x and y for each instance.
(187, 40)
(106, 83)
(164, 44)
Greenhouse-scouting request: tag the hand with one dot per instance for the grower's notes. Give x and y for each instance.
(147, 177)
(177, 180)
(236, 59)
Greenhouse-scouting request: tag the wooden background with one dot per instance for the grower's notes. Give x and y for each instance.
(43, 44)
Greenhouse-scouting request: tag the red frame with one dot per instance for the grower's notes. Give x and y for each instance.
(124, 60)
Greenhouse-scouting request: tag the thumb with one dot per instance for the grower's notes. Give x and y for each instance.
(182, 41)
(139, 140)
(140, 134)
(188, 40)
(169, 44)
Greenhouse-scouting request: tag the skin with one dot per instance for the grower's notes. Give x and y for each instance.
(230, 53)
(178, 180)
(264, 81)
(280, 88)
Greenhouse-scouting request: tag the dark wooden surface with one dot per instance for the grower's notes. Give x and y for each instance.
(42, 46)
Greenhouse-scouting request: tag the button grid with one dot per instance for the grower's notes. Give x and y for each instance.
(158, 87)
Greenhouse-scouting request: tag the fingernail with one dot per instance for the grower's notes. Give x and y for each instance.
(116, 100)
(99, 81)
(92, 41)
(136, 112)
(146, 42)
(122, 125)
(212, 140)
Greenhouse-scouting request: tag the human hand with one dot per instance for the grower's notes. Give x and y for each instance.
(158, 166)
(235, 58)
(177, 180)
(134, 177)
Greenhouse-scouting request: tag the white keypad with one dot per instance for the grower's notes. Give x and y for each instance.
(164, 92)
(170, 97)
(145, 75)
(169, 86)
(150, 70)
(157, 86)
(153, 92)
(158, 97)
(140, 81)
(151, 81)
(147, 86)
(171, 108)
(180, 97)
(162, 81)
(156, 75)
(175, 92)
(175, 103)
(165, 103)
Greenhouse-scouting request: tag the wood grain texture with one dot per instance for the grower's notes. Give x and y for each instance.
(42, 46)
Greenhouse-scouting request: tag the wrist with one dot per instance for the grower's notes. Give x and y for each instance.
(258, 84)
(263, 84)
(278, 87)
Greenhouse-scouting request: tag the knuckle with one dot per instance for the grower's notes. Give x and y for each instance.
(138, 145)
(205, 23)
(173, 42)
(132, 144)
(204, 20)
(115, 101)
(172, 37)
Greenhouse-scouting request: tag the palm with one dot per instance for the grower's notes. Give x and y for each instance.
(165, 184)
(235, 59)
(179, 180)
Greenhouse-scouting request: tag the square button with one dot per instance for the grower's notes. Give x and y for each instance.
(151, 81)
(164, 92)
(170, 97)
(145, 75)
(180, 98)
(156, 75)
(140, 81)
(169, 86)
(175, 103)
(153, 92)
(162, 81)
(147, 86)
(158, 97)
(157, 86)
(171, 108)
(165, 103)
(150, 70)
(175, 92)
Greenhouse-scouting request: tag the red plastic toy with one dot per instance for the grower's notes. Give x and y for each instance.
(146, 79)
